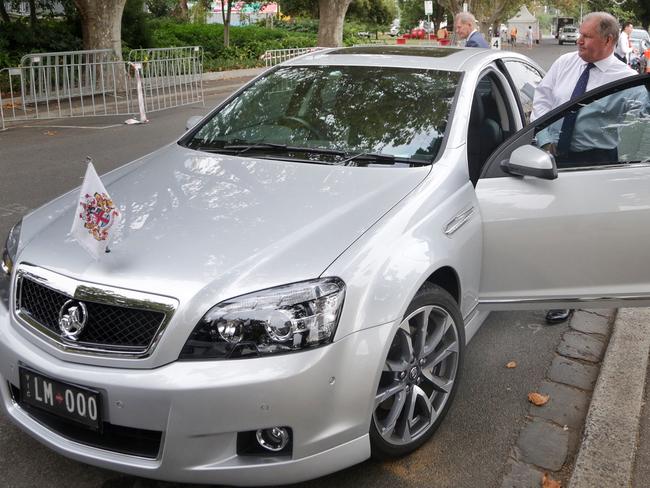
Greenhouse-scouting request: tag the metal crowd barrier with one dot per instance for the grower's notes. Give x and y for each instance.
(165, 71)
(92, 83)
(277, 56)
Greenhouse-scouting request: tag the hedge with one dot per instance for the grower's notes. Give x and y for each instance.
(247, 43)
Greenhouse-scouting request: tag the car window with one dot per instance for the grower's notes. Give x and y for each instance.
(491, 122)
(609, 128)
(395, 111)
(525, 78)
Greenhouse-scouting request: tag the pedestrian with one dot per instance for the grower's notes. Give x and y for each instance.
(593, 65)
(513, 36)
(623, 48)
(529, 37)
(465, 26)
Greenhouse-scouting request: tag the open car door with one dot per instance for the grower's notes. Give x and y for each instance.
(572, 228)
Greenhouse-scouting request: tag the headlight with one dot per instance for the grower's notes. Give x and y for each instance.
(273, 321)
(11, 248)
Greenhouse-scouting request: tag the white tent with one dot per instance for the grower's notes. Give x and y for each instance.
(521, 21)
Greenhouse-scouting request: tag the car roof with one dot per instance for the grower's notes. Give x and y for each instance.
(420, 57)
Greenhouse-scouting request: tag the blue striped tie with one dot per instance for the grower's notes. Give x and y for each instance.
(564, 143)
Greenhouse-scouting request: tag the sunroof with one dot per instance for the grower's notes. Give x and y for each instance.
(427, 52)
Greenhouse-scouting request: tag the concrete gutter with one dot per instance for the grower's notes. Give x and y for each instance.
(607, 452)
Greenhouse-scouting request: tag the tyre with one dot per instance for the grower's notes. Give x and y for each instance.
(561, 43)
(420, 375)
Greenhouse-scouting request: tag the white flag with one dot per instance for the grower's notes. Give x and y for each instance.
(95, 216)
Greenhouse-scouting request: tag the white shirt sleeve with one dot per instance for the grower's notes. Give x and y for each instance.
(624, 43)
(543, 101)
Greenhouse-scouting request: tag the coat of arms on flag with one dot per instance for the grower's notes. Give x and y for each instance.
(96, 215)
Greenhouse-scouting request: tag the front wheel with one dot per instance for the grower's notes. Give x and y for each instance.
(420, 375)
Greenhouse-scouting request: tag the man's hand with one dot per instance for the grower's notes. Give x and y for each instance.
(550, 148)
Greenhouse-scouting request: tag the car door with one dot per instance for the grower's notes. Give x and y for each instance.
(584, 236)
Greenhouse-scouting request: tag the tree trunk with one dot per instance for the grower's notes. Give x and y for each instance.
(101, 24)
(3, 12)
(184, 9)
(226, 10)
(32, 14)
(331, 14)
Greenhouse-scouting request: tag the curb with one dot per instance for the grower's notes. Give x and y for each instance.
(549, 440)
(607, 453)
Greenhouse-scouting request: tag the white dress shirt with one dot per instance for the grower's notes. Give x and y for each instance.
(623, 47)
(558, 84)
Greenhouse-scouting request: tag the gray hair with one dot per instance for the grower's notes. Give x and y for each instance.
(466, 18)
(607, 24)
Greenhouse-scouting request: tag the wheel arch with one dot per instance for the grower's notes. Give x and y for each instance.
(447, 278)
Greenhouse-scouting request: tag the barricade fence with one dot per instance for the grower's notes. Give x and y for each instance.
(90, 83)
(277, 56)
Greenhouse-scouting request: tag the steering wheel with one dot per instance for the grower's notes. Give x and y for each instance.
(302, 123)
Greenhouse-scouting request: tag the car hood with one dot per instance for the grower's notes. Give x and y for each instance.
(221, 225)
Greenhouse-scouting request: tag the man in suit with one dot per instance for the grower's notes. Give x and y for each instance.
(465, 26)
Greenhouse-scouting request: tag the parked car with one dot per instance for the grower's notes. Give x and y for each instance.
(568, 33)
(640, 34)
(294, 281)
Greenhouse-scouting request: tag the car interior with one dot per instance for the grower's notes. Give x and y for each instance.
(489, 124)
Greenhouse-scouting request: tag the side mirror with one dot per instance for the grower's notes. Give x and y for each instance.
(530, 161)
(192, 121)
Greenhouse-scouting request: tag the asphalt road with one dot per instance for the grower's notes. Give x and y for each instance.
(41, 160)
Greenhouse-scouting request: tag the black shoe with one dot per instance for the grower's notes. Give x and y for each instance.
(558, 316)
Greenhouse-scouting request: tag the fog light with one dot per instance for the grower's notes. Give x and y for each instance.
(274, 439)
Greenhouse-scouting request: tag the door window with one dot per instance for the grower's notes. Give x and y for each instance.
(608, 127)
(525, 78)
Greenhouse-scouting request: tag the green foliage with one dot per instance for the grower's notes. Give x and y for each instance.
(161, 8)
(18, 39)
(135, 27)
(247, 43)
(373, 12)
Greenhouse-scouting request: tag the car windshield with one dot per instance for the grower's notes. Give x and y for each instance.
(334, 113)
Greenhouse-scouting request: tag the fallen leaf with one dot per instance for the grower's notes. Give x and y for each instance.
(537, 399)
(548, 482)
(50, 132)
(511, 365)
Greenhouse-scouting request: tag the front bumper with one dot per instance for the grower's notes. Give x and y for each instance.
(325, 396)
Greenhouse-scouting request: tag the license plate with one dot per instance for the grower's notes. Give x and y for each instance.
(75, 403)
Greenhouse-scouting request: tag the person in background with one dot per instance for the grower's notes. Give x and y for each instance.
(465, 26)
(513, 36)
(570, 76)
(529, 37)
(623, 48)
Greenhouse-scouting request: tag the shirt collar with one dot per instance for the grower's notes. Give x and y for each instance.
(472, 33)
(603, 64)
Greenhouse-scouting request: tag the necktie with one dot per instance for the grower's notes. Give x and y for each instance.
(564, 143)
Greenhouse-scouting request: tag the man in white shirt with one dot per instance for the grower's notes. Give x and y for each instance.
(598, 37)
(623, 48)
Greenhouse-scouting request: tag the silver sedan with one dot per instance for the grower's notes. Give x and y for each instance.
(292, 284)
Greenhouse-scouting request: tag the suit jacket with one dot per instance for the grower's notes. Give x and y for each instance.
(476, 40)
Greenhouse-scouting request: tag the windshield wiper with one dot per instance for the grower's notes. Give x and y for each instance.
(242, 148)
(379, 158)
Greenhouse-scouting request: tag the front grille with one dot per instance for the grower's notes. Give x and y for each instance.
(116, 438)
(117, 321)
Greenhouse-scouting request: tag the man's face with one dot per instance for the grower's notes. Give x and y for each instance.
(592, 46)
(629, 29)
(463, 29)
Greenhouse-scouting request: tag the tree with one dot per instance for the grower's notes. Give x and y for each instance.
(101, 23)
(331, 15)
